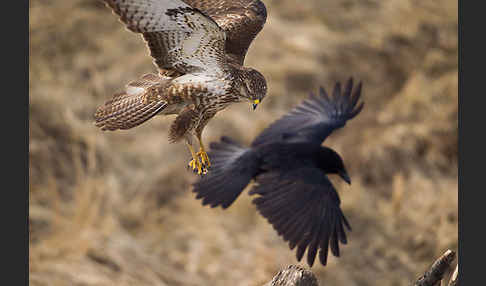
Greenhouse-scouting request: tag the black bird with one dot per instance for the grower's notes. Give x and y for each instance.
(290, 166)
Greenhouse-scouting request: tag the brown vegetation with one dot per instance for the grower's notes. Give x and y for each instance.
(116, 208)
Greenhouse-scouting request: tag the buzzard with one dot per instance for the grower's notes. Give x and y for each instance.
(198, 47)
(290, 169)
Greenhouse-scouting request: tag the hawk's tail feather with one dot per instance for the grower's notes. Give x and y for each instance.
(126, 111)
(137, 104)
(232, 168)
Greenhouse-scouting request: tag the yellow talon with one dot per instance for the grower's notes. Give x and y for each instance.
(203, 155)
(196, 164)
(200, 161)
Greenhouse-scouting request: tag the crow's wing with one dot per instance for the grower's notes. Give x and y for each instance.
(179, 37)
(315, 118)
(303, 207)
(242, 20)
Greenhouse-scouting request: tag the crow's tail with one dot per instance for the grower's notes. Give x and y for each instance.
(232, 168)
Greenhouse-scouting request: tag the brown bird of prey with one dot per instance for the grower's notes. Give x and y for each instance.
(198, 47)
(290, 168)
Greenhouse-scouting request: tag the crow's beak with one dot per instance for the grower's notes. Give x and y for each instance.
(255, 103)
(344, 175)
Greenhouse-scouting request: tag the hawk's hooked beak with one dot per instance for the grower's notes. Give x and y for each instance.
(344, 175)
(255, 103)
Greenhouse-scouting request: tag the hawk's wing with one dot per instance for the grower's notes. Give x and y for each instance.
(315, 118)
(179, 36)
(242, 20)
(303, 207)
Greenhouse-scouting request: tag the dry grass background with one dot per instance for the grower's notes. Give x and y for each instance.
(116, 208)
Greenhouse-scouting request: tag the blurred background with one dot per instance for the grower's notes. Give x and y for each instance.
(116, 208)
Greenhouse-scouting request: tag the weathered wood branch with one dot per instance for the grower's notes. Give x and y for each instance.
(454, 281)
(294, 275)
(433, 276)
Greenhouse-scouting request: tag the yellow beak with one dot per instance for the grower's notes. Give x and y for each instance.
(255, 103)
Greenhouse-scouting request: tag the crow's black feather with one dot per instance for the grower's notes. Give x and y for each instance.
(315, 118)
(290, 168)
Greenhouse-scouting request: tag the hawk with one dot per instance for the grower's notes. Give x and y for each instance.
(290, 168)
(198, 47)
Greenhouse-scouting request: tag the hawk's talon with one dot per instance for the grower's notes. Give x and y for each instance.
(204, 158)
(198, 167)
(200, 161)
(192, 164)
(195, 165)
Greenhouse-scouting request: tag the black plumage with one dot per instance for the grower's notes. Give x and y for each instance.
(290, 169)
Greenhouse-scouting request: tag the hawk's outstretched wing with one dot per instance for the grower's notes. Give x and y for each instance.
(179, 36)
(303, 207)
(242, 20)
(315, 118)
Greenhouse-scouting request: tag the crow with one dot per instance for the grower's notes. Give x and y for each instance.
(290, 167)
